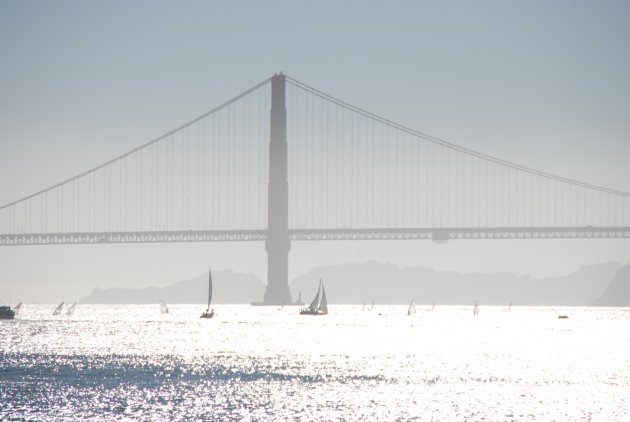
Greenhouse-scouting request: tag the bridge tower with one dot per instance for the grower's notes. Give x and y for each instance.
(278, 243)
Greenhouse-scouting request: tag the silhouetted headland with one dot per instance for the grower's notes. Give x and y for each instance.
(618, 292)
(229, 287)
(389, 284)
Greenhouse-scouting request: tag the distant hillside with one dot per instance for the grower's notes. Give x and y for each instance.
(228, 287)
(618, 292)
(388, 284)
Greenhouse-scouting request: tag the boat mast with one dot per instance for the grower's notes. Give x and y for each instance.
(209, 288)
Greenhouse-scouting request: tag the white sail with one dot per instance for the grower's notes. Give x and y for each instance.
(163, 307)
(209, 313)
(323, 305)
(70, 310)
(57, 310)
(319, 305)
(17, 308)
(476, 309)
(313, 305)
(412, 308)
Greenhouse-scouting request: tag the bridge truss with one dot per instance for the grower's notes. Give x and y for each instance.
(436, 235)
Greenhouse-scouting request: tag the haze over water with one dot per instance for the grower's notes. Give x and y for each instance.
(112, 362)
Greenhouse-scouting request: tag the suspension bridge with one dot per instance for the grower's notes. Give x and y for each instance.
(285, 162)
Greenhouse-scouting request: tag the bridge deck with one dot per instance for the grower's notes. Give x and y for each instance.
(438, 235)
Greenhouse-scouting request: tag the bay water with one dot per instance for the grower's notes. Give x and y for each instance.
(130, 362)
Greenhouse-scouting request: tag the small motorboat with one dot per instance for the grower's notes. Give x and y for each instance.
(6, 312)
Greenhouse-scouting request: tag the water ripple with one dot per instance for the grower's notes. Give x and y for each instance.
(130, 363)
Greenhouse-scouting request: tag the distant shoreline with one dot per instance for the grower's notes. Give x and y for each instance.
(387, 284)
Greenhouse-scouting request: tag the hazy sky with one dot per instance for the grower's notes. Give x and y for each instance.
(544, 84)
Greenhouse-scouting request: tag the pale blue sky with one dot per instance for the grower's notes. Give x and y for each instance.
(545, 84)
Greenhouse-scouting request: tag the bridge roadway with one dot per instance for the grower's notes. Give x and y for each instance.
(435, 234)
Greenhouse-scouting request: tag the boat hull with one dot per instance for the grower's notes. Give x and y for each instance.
(7, 313)
(309, 312)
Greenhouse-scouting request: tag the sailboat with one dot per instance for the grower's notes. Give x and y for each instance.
(509, 307)
(163, 307)
(372, 307)
(70, 310)
(317, 306)
(58, 309)
(476, 308)
(412, 308)
(209, 313)
(17, 308)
